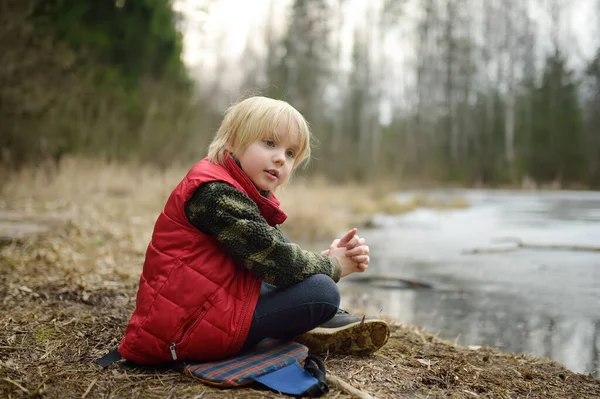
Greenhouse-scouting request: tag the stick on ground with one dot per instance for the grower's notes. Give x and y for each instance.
(345, 387)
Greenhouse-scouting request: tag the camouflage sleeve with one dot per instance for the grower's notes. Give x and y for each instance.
(222, 211)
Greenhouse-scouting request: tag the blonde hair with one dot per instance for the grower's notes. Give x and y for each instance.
(257, 118)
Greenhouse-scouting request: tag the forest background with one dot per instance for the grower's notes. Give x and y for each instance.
(463, 91)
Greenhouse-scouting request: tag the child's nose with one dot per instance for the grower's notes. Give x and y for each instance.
(279, 157)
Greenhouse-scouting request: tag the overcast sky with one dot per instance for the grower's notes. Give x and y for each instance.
(231, 23)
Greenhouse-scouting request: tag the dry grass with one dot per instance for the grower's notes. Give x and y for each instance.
(319, 210)
(67, 294)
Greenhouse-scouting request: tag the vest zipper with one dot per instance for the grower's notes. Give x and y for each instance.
(173, 353)
(186, 329)
(244, 315)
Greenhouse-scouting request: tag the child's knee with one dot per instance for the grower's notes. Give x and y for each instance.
(325, 289)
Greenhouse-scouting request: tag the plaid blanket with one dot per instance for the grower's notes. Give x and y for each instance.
(268, 356)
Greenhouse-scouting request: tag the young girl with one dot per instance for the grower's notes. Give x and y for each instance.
(219, 276)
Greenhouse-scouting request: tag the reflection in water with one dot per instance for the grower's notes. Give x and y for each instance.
(505, 322)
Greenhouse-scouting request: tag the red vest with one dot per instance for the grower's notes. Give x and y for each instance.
(193, 302)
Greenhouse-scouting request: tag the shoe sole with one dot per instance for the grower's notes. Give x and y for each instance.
(359, 338)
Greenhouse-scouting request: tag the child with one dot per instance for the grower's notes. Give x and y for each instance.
(219, 276)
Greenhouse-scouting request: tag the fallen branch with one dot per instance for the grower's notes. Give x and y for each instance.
(345, 387)
(518, 245)
(387, 278)
(479, 251)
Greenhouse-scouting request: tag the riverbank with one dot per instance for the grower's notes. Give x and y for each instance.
(68, 283)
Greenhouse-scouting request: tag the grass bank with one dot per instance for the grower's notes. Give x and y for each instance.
(68, 289)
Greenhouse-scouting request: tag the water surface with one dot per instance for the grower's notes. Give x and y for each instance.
(544, 302)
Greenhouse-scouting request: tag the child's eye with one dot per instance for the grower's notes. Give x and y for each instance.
(290, 154)
(270, 143)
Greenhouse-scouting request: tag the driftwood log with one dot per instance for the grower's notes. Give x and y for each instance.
(390, 281)
(518, 244)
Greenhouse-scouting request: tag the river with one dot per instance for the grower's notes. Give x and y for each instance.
(544, 302)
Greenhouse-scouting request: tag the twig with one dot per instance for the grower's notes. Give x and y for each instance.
(17, 385)
(349, 389)
(89, 388)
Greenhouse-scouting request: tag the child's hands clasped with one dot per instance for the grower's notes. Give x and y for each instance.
(351, 252)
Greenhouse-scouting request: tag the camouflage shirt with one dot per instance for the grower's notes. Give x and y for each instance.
(222, 211)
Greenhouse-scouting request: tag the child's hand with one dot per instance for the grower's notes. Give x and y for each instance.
(349, 238)
(359, 254)
(356, 249)
(348, 265)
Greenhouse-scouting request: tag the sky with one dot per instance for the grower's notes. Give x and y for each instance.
(231, 24)
(227, 27)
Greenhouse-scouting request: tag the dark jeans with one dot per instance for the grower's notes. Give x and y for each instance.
(288, 312)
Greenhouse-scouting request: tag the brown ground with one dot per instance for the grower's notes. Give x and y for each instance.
(67, 288)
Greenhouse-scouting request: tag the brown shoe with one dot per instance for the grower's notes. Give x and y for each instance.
(345, 334)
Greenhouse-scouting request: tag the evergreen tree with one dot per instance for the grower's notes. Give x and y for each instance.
(138, 38)
(592, 121)
(555, 146)
(91, 77)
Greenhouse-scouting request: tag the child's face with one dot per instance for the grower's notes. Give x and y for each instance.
(270, 161)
